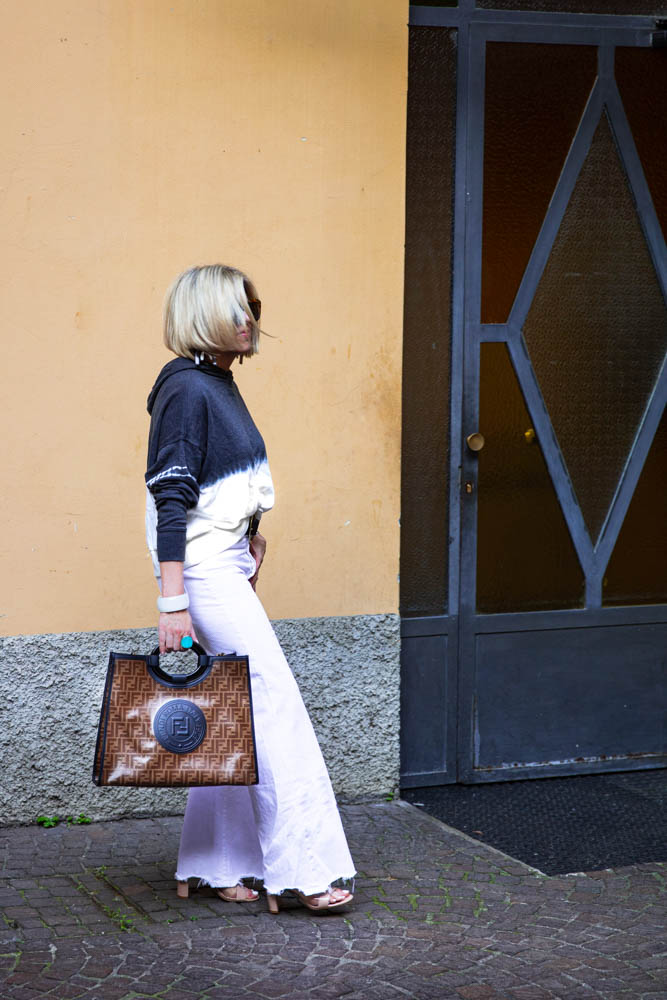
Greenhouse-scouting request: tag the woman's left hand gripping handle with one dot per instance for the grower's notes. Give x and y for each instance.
(172, 627)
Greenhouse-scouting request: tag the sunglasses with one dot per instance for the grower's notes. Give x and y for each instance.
(255, 307)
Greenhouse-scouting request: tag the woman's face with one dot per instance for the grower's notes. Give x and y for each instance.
(243, 340)
(243, 334)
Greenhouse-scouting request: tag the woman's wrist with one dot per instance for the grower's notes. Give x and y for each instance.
(178, 602)
(171, 580)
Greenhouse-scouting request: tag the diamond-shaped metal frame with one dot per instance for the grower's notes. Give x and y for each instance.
(593, 556)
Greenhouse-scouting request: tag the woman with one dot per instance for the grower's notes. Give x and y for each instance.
(208, 483)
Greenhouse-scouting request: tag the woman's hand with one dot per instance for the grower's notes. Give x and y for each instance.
(257, 549)
(173, 625)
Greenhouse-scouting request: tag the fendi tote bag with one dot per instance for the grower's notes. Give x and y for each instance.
(159, 729)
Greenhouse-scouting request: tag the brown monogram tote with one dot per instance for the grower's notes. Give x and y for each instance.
(158, 729)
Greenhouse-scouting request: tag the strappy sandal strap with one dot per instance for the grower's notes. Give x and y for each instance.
(237, 894)
(325, 900)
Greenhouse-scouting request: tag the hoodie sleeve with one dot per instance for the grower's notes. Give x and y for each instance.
(174, 465)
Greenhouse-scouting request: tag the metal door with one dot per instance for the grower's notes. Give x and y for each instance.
(550, 657)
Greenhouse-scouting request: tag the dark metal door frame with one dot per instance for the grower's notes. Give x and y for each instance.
(475, 28)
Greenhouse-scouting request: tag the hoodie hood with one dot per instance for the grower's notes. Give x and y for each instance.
(184, 365)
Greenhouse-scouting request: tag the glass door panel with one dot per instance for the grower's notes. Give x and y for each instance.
(535, 96)
(525, 557)
(641, 76)
(427, 321)
(597, 329)
(637, 570)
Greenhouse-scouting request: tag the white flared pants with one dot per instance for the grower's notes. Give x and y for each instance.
(285, 830)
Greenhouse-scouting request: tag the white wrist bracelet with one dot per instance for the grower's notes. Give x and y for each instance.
(179, 603)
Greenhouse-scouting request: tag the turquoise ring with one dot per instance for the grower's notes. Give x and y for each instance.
(186, 642)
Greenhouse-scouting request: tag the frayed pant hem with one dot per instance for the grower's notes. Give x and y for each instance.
(217, 882)
(310, 888)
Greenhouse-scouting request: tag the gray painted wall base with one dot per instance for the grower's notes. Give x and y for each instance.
(51, 691)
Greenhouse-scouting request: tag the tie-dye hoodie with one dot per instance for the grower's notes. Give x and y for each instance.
(207, 471)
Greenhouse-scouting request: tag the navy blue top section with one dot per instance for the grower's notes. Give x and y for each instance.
(200, 433)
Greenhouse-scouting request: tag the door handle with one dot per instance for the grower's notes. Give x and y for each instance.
(475, 441)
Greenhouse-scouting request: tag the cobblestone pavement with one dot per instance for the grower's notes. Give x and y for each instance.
(91, 911)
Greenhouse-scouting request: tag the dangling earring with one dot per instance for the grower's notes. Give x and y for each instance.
(197, 358)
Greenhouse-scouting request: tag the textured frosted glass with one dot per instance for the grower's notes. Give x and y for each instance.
(525, 557)
(535, 96)
(597, 329)
(426, 366)
(641, 75)
(579, 6)
(637, 570)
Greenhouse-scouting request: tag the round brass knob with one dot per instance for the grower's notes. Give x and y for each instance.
(475, 441)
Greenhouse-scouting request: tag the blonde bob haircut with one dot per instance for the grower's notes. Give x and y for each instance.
(203, 308)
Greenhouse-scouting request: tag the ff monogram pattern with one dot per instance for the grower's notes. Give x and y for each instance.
(155, 735)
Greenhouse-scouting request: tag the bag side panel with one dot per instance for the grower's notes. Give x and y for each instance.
(100, 743)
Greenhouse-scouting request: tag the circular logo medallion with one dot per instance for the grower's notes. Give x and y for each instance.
(179, 726)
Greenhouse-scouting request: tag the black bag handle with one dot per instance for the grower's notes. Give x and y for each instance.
(180, 680)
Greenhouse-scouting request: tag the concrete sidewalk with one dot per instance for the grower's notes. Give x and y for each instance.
(91, 911)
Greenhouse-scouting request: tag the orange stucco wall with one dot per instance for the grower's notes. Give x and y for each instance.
(142, 136)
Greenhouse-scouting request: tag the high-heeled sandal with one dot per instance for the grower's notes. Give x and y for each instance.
(231, 894)
(237, 894)
(318, 902)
